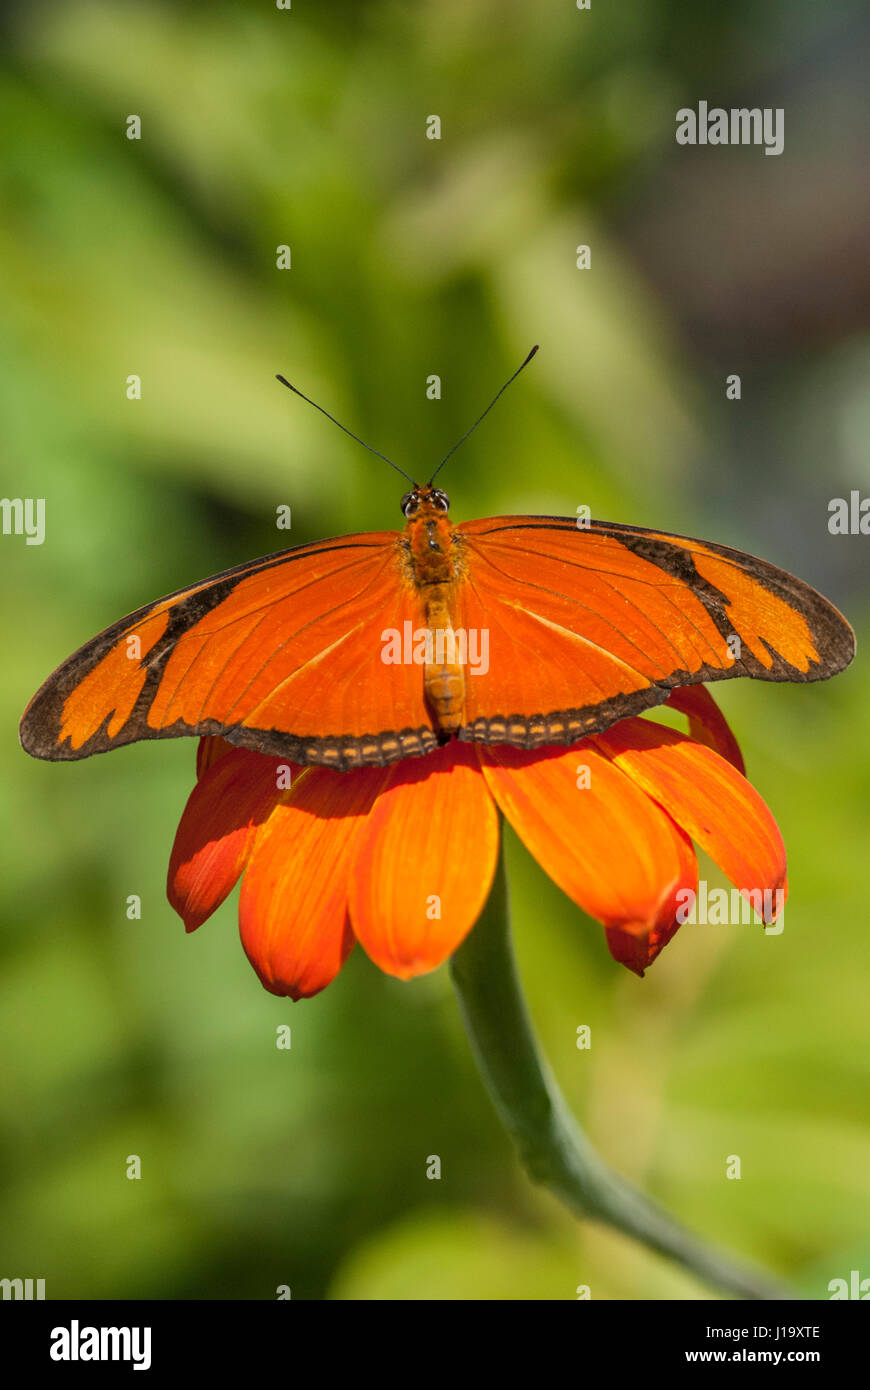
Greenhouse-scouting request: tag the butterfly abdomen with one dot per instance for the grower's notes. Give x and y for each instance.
(443, 673)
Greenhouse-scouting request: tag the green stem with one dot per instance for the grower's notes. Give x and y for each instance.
(551, 1144)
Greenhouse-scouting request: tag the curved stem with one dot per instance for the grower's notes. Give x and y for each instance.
(552, 1146)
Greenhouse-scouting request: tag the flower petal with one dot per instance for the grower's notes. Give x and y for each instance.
(600, 838)
(293, 906)
(706, 796)
(216, 829)
(208, 750)
(425, 862)
(707, 723)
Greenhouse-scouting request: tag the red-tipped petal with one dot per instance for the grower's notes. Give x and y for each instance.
(208, 751)
(600, 838)
(293, 906)
(215, 832)
(637, 945)
(707, 723)
(424, 864)
(706, 796)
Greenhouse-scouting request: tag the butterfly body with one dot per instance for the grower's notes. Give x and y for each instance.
(434, 555)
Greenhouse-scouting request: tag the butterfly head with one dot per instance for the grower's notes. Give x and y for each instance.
(422, 500)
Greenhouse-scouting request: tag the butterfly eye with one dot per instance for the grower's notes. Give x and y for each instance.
(410, 502)
(440, 499)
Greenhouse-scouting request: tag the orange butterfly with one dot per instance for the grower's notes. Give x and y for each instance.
(364, 649)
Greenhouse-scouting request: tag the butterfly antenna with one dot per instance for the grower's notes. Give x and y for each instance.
(486, 412)
(290, 387)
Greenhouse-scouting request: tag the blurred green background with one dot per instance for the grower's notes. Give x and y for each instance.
(413, 257)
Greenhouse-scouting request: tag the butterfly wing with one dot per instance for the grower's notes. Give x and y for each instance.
(587, 625)
(584, 627)
(281, 655)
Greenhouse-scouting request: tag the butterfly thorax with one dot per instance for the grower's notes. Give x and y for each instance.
(431, 558)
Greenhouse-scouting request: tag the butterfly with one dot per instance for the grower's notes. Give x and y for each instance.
(365, 649)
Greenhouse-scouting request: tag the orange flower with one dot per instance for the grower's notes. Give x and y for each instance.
(402, 858)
